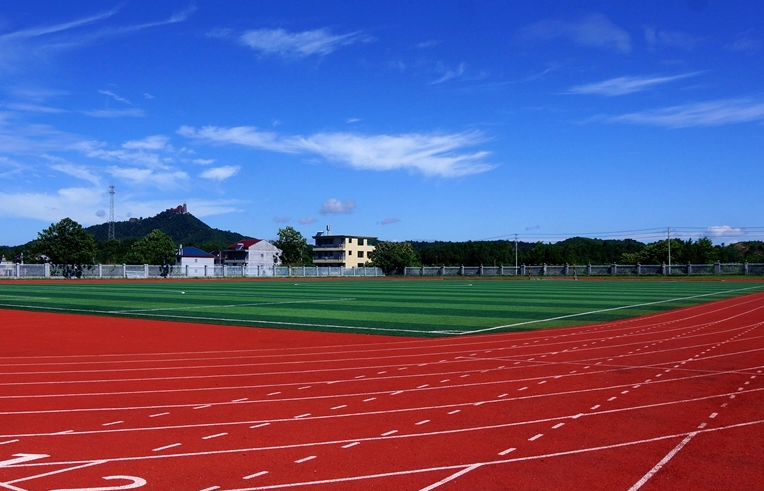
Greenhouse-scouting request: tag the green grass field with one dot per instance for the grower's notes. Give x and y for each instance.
(394, 307)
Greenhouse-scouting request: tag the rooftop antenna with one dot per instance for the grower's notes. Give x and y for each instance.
(111, 213)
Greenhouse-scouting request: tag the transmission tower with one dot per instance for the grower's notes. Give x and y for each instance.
(111, 212)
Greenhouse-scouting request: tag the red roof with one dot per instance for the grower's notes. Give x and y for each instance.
(245, 244)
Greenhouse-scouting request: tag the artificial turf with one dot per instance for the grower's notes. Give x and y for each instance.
(394, 307)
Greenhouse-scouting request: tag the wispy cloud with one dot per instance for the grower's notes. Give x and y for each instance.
(745, 44)
(389, 221)
(279, 42)
(283, 219)
(155, 142)
(307, 221)
(725, 231)
(220, 173)
(448, 73)
(115, 96)
(625, 85)
(712, 113)
(435, 154)
(334, 206)
(35, 108)
(593, 31)
(657, 38)
(78, 171)
(115, 113)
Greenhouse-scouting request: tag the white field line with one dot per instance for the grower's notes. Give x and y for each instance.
(191, 318)
(234, 305)
(261, 423)
(450, 478)
(409, 471)
(419, 354)
(663, 462)
(416, 344)
(580, 314)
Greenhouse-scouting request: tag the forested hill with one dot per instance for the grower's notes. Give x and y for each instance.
(183, 228)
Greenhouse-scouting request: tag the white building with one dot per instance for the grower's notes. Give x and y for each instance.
(195, 262)
(257, 255)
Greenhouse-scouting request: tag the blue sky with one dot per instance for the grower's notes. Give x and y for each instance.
(402, 120)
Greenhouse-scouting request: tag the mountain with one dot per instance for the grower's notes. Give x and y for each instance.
(183, 228)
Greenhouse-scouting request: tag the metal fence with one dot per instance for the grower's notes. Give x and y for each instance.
(590, 270)
(138, 271)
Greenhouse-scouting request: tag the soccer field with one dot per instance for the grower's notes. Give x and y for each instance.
(392, 307)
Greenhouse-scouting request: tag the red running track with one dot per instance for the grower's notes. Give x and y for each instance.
(669, 401)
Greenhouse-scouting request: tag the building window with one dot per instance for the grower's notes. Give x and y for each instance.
(360, 253)
(360, 241)
(350, 240)
(350, 253)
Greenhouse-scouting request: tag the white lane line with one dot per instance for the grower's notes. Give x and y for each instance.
(240, 400)
(536, 437)
(477, 331)
(391, 432)
(211, 488)
(158, 414)
(339, 407)
(396, 393)
(505, 452)
(260, 425)
(424, 421)
(369, 399)
(203, 406)
(210, 437)
(455, 411)
(112, 423)
(351, 444)
(257, 474)
(303, 388)
(450, 478)
(159, 449)
(302, 416)
(300, 461)
(274, 393)
(9, 441)
(663, 462)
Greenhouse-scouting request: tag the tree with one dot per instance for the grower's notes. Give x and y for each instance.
(65, 242)
(155, 248)
(392, 257)
(293, 247)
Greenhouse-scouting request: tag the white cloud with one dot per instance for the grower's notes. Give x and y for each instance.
(149, 177)
(115, 113)
(156, 142)
(115, 96)
(448, 74)
(625, 85)
(672, 39)
(78, 171)
(76, 203)
(36, 108)
(307, 221)
(594, 31)
(334, 206)
(713, 113)
(745, 44)
(389, 221)
(221, 173)
(429, 154)
(725, 231)
(203, 161)
(283, 219)
(296, 44)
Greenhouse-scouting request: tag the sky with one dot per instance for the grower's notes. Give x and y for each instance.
(452, 120)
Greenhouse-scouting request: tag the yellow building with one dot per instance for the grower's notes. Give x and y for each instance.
(349, 251)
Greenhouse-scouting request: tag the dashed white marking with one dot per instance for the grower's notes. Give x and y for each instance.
(240, 400)
(203, 406)
(701, 426)
(159, 449)
(369, 399)
(455, 411)
(424, 421)
(558, 425)
(339, 407)
(8, 441)
(423, 386)
(300, 461)
(505, 452)
(303, 388)
(302, 416)
(612, 399)
(210, 437)
(522, 388)
(596, 406)
(713, 415)
(391, 432)
(536, 437)
(158, 414)
(274, 393)
(260, 425)
(396, 392)
(351, 444)
(112, 423)
(257, 474)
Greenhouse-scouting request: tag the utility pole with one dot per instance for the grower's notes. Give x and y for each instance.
(668, 233)
(516, 255)
(111, 213)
